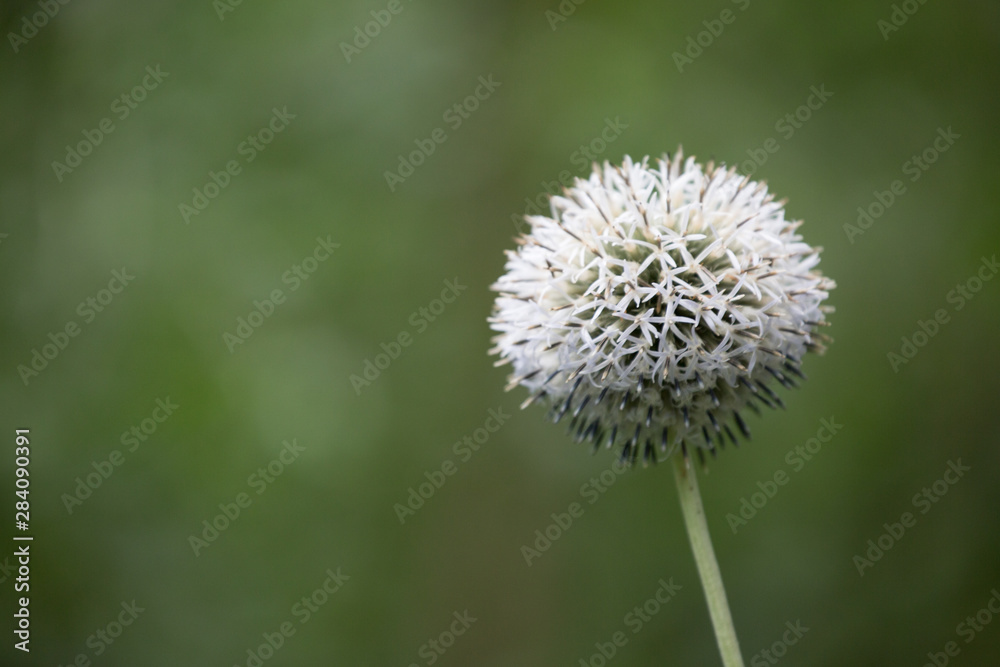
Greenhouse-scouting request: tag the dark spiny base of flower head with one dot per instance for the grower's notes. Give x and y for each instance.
(647, 436)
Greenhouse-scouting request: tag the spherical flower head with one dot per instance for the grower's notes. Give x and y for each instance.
(656, 303)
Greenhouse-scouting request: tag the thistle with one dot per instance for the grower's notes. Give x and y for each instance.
(652, 308)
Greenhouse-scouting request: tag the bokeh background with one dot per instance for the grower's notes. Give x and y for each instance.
(227, 67)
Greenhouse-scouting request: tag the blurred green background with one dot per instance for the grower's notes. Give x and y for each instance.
(223, 70)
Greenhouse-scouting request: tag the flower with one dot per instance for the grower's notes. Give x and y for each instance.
(656, 303)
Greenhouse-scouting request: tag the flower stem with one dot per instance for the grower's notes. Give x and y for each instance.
(704, 556)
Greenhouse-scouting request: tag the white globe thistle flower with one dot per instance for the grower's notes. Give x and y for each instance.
(656, 303)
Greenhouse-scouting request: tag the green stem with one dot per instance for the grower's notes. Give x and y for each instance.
(704, 556)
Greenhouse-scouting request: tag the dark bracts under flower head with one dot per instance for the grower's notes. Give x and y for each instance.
(656, 303)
